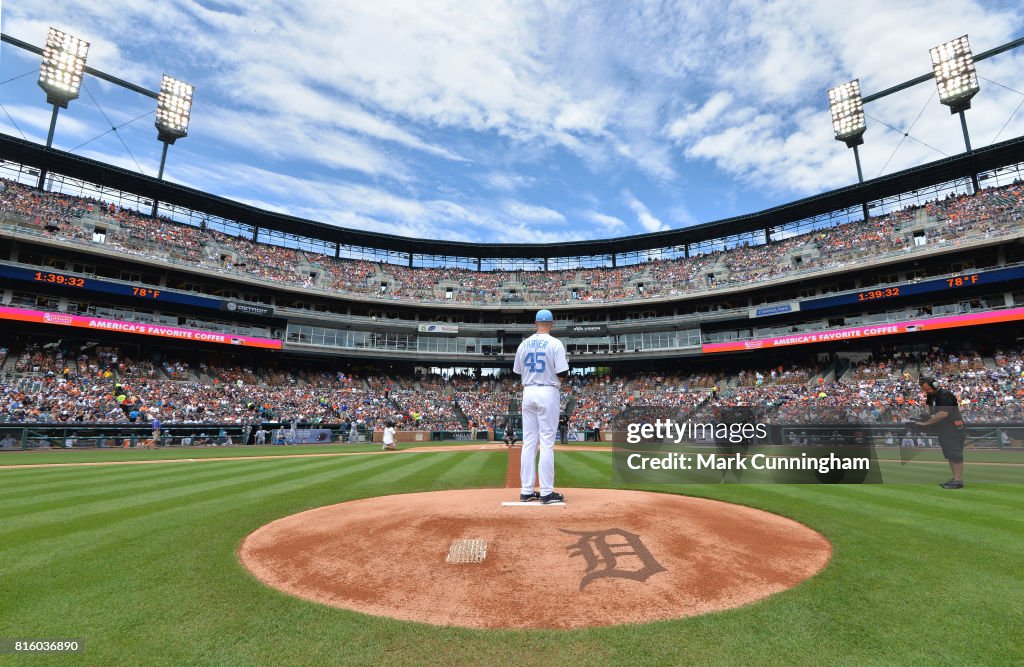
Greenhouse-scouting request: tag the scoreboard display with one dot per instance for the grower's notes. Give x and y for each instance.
(951, 285)
(140, 292)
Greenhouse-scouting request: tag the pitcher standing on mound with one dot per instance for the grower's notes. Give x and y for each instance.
(540, 362)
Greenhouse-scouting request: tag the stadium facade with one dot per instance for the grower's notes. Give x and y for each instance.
(809, 284)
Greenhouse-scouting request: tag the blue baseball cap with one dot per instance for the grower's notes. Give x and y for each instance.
(544, 316)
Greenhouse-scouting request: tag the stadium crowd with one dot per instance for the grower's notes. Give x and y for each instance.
(951, 220)
(91, 384)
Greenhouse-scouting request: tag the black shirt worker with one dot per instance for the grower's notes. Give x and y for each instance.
(948, 425)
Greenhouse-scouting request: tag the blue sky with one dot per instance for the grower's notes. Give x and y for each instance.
(518, 121)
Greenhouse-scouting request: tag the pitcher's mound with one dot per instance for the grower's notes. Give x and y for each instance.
(608, 557)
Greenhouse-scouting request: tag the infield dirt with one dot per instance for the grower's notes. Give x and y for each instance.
(606, 558)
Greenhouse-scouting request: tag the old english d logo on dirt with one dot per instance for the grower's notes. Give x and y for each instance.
(613, 553)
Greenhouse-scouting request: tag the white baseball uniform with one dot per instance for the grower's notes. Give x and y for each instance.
(539, 360)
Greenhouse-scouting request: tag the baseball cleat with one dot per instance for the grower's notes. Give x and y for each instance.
(952, 484)
(552, 498)
(528, 497)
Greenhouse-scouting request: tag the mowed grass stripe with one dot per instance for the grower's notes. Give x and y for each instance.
(15, 481)
(957, 516)
(80, 507)
(886, 512)
(73, 484)
(148, 503)
(36, 502)
(924, 497)
(134, 529)
(582, 469)
(119, 455)
(486, 468)
(600, 463)
(930, 474)
(142, 475)
(15, 478)
(1002, 496)
(429, 467)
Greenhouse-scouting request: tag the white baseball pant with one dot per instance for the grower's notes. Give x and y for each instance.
(541, 406)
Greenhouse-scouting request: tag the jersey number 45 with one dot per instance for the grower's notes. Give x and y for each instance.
(535, 362)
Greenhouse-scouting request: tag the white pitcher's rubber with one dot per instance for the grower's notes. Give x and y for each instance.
(531, 504)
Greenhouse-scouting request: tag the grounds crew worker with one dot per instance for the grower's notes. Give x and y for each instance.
(540, 361)
(946, 423)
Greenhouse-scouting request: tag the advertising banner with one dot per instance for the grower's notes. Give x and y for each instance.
(439, 328)
(588, 329)
(775, 310)
(856, 333)
(246, 308)
(139, 328)
(303, 436)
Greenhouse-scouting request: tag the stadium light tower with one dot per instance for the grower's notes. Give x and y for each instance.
(847, 107)
(957, 81)
(173, 111)
(60, 76)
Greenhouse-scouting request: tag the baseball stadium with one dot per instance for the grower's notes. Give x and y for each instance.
(234, 432)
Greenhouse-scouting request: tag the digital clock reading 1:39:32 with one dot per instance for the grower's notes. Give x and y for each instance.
(58, 279)
(871, 295)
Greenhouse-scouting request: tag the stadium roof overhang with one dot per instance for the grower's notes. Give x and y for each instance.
(93, 171)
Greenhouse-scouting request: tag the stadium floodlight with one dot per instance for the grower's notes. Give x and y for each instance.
(847, 107)
(60, 73)
(955, 76)
(173, 109)
(60, 76)
(173, 112)
(957, 81)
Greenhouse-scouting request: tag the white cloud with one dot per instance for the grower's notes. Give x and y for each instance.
(607, 224)
(506, 181)
(531, 213)
(700, 119)
(283, 139)
(643, 214)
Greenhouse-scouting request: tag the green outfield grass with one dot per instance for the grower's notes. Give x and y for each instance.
(140, 562)
(36, 457)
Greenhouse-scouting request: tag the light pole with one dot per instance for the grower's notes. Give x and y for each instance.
(957, 81)
(60, 76)
(173, 110)
(847, 108)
